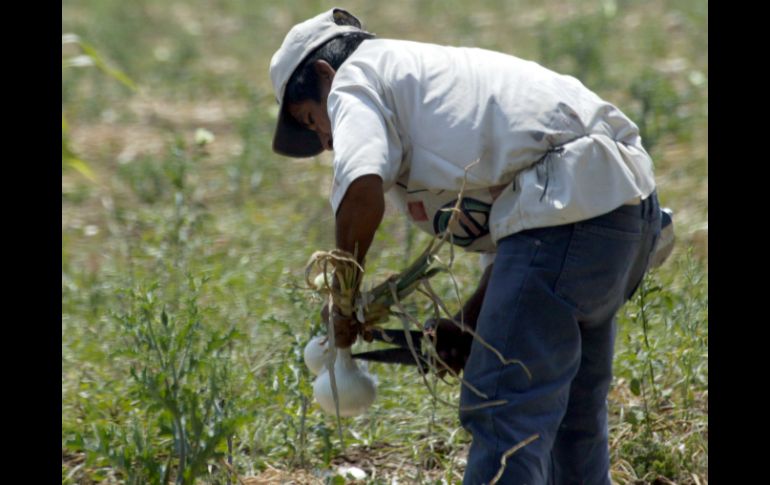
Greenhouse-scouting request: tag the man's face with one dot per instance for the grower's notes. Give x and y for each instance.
(313, 114)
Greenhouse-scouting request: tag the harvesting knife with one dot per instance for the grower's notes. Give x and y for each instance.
(452, 345)
(399, 355)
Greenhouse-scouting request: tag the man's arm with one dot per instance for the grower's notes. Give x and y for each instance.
(358, 217)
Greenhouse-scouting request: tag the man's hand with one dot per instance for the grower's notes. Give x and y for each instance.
(346, 330)
(453, 346)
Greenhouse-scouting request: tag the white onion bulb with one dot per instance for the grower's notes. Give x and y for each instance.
(356, 389)
(317, 354)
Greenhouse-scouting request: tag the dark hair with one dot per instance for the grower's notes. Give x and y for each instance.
(303, 83)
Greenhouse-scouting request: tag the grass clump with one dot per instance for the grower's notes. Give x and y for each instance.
(184, 410)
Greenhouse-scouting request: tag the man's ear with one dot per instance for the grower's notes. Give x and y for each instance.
(324, 70)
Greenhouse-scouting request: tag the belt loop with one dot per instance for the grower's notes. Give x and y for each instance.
(652, 205)
(647, 207)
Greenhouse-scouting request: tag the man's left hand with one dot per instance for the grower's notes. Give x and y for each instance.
(453, 346)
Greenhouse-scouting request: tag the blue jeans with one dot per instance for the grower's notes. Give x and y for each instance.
(551, 303)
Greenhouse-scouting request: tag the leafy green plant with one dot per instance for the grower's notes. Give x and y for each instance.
(663, 357)
(651, 458)
(127, 448)
(180, 370)
(646, 385)
(690, 322)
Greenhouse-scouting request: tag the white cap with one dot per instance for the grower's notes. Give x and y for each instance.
(291, 138)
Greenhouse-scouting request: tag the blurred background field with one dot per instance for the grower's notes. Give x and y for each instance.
(184, 241)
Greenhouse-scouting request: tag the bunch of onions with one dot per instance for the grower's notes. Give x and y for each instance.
(373, 306)
(335, 368)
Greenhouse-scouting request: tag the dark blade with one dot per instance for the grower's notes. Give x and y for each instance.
(390, 356)
(398, 337)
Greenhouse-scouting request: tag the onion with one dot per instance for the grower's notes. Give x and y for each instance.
(320, 282)
(317, 354)
(356, 388)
